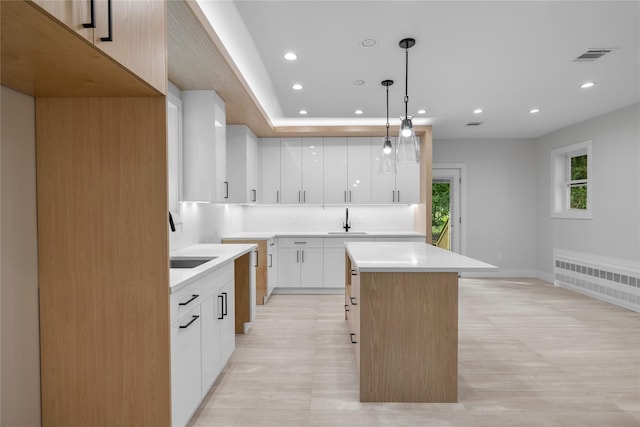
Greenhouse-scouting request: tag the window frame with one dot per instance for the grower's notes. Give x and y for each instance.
(561, 181)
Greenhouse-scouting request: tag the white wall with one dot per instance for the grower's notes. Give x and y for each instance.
(19, 313)
(500, 202)
(206, 223)
(328, 218)
(614, 231)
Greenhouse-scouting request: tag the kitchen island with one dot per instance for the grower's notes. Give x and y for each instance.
(401, 302)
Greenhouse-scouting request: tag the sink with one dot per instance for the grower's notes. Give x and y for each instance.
(188, 262)
(348, 232)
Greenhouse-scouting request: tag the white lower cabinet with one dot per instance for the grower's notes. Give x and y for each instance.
(272, 265)
(186, 391)
(334, 259)
(202, 339)
(300, 263)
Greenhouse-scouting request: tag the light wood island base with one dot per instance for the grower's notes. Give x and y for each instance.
(404, 326)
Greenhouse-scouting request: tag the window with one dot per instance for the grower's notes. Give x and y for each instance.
(571, 181)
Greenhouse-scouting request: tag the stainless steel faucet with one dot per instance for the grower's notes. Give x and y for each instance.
(346, 224)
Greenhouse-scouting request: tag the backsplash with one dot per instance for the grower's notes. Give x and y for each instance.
(205, 223)
(328, 218)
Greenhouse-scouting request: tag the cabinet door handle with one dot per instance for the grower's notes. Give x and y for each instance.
(278, 196)
(221, 307)
(346, 308)
(304, 197)
(193, 319)
(354, 273)
(91, 24)
(351, 335)
(345, 196)
(353, 302)
(298, 196)
(398, 196)
(109, 38)
(226, 298)
(297, 255)
(394, 195)
(226, 191)
(303, 255)
(257, 259)
(349, 196)
(270, 260)
(255, 195)
(194, 296)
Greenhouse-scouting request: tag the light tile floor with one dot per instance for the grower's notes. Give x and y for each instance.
(530, 354)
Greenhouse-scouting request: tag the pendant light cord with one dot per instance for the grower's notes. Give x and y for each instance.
(406, 83)
(387, 114)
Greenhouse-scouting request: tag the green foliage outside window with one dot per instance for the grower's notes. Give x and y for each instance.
(578, 193)
(440, 213)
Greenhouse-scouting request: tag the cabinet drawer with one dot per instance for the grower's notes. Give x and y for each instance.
(193, 294)
(299, 242)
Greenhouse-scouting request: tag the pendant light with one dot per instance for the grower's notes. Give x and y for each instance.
(387, 156)
(407, 148)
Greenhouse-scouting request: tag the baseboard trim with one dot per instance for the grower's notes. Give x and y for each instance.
(308, 291)
(501, 274)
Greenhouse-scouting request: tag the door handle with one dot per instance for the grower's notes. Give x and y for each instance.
(193, 319)
(109, 38)
(91, 24)
(226, 298)
(221, 307)
(270, 260)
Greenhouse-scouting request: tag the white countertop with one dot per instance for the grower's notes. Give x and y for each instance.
(260, 235)
(180, 277)
(410, 257)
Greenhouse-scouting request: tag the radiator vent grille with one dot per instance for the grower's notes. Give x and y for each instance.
(592, 55)
(616, 284)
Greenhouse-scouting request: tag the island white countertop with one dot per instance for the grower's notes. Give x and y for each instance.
(180, 277)
(260, 235)
(411, 257)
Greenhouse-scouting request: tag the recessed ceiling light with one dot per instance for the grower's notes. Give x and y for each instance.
(534, 111)
(358, 112)
(358, 82)
(477, 111)
(303, 112)
(422, 111)
(297, 86)
(587, 85)
(290, 56)
(368, 42)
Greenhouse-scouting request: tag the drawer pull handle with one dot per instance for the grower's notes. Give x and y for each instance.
(299, 243)
(193, 319)
(92, 24)
(189, 300)
(352, 302)
(346, 308)
(351, 336)
(226, 298)
(109, 37)
(221, 308)
(270, 260)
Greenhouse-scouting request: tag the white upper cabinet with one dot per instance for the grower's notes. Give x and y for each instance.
(291, 170)
(204, 146)
(242, 164)
(301, 170)
(359, 170)
(335, 170)
(312, 170)
(174, 151)
(401, 188)
(269, 171)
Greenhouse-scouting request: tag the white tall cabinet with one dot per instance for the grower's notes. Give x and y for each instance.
(269, 171)
(335, 170)
(301, 170)
(242, 164)
(204, 146)
(359, 170)
(400, 188)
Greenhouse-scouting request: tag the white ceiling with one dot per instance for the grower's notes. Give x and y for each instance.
(504, 57)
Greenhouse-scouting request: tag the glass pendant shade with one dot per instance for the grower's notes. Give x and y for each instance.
(407, 147)
(387, 159)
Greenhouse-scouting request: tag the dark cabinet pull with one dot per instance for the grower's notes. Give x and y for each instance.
(354, 273)
(304, 196)
(351, 336)
(110, 23)
(298, 196)
(226, 186)
(303, 255)
(257, 259)
(346, 308)
(193, 319)
(226, 298)
(91, 24)
(255, 195)
(353, 303)
(221, 307)
(394, 195)
(270, 260)
(398, 196)
(298, 256)
(278, 196)
(345, 196)
(194, 296)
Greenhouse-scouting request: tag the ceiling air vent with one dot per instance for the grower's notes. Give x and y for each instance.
(593, 54)
(474, 124)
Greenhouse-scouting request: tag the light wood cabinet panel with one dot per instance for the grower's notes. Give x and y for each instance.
(138, 37)
(73, 13)
(103, 261)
